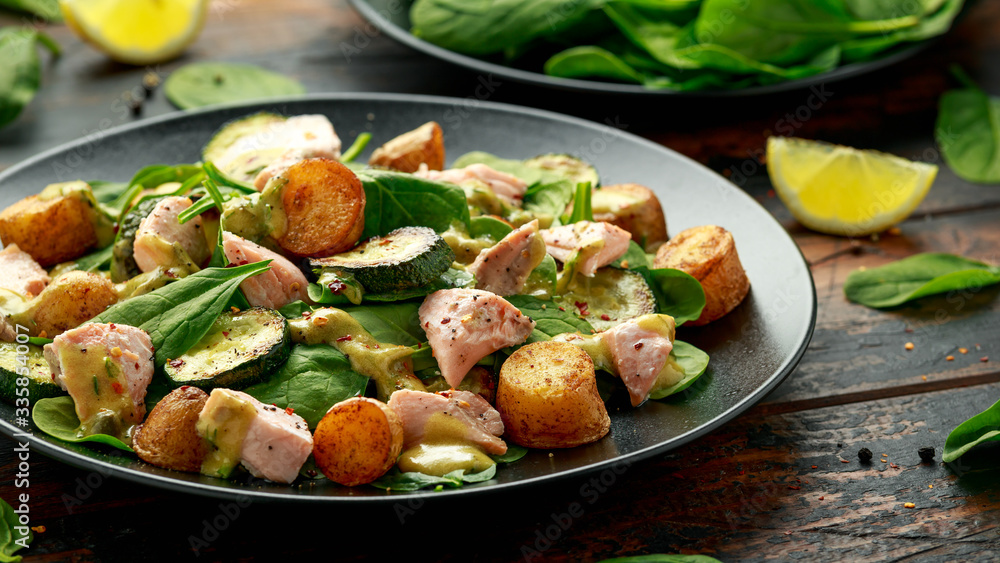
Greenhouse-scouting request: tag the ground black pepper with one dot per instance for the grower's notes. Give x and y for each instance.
(926, 454)
(865, 455)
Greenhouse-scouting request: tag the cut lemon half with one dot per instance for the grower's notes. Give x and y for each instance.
(138, 32)
(844, 191)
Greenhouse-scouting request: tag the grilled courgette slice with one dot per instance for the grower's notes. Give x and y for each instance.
(609, 298)
(123, 266)
(232, 131)
(241, 348)
(572, 168)
(405, 258)
(34, 369)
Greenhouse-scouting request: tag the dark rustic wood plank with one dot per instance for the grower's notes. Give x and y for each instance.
(761, 487)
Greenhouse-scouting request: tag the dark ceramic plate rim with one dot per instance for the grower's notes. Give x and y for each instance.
(53, 448)
(575, 85)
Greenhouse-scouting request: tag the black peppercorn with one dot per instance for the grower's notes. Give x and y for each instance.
(926, 454)
(865, 455)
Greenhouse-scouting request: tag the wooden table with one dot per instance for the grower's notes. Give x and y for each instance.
(783, 481)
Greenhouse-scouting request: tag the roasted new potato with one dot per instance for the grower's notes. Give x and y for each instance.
(69, 301)
(357, 441)
(708, 253)
(52, 228)
(168, 437)
(547, 397)
(634, 208)
(423, 145)
(324, 203)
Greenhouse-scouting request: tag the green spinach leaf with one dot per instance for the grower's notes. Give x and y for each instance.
(677, 293)
(95, 260)
(179, 314)
(394, 200)
(208, 83)
(396, 323)
(968, 132)
(312, 380)
(45, 9)
(984, 427)
(692, 360)
(395, 480)
(20, 73)
(56, 416)
(13, 536)
(549, 319)
(917, 276)
(590, 61)
(514, 453)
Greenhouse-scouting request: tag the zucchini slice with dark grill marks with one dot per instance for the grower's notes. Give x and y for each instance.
(241, 348)
(39, 377)
(405, 258)
(609, 298)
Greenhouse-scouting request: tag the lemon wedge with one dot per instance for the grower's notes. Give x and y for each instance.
(845, 191)
(138, 32)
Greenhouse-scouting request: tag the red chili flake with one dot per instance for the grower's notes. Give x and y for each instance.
(984, 359)
(794, 488)
(638, 346)
(117, 387)
(289, 410)
(815, 467)
(788, 533)
(770, 193)
(183, 387)
(420, 345)
(894, 466)
(821, 498)
(344, 338)
(582, 306)
(384, 242)
(446, 320)
(844, 461)
(605, 318)
(225, 333)
(336, 286)
(562, 309)
(244, 262)
(908, 330)
(112, 325)
(137, 365)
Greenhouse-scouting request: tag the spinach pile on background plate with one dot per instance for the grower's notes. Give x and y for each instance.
(682, 44)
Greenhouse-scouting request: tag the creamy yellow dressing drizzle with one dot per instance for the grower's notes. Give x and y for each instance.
(100, 393)
(443, 449)
(224, 426)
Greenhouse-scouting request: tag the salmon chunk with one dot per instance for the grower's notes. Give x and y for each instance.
(503, 268)
(599, 244)
(160, 231)
(284, 283)
(106, 369)
(20, 273)
(639, 354)
(509, 188)
(464, 326)
(481, 422)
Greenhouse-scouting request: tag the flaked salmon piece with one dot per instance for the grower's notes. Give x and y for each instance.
(103, 367)
(160, 230)
(481, 421)
(8, 332)
(507, 187)
(464, 326)
(504, 267)
(20, 273)
(639, 354)
(272, 443)
(599, 243)
(311, 134)
(275, 288)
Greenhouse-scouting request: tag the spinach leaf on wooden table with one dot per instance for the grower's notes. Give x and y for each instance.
(45, 9)
(20, 73)
(208, 83)
(917, 276)
(984, 427)
(13, 536)
(968, 132)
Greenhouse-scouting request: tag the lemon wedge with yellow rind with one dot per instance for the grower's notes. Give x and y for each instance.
(138, 32)
(845, 191)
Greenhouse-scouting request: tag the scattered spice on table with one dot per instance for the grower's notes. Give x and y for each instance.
(963, 350)
(984, 359)
(950, 358)
(865, 455)
(926, 454)
(908, 346)
(909, 505)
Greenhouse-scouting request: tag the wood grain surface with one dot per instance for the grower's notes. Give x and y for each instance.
(783, 482)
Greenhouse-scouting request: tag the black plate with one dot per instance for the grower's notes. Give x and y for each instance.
(392, 17)
(753, 349)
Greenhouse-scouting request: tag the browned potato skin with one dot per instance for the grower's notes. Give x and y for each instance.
(644, 219)
(708, 253)
(168, 437)
(357, 441)
(51, 231)
(423, 145)
(547, 397)
(325, 205)
(71, 300)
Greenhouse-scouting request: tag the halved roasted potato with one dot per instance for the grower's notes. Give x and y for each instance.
(324, 203)
(168, 437)
(423, 145)
(547, 397)
(636, 209)
(54, 226)
(357, 441)
(708, 253)
(69, 301)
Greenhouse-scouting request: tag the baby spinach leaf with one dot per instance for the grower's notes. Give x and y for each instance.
(394, 200)
(56, 416)
(312, 380)
(207, 83)
(45, 9)
(13, 536)
(396, 323)
(692, 360)
(634, 257)
(550, 198)
(294, 309)
(489, 228)
(179, 314)
(158, 174)
(549, 320)
(95, 260)
(677, 293)
(107, 192)
(917, 276)
(968, 132)
(514, 453)
(395, 480)
(20, 73)
(590, 61)
(984, 427)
